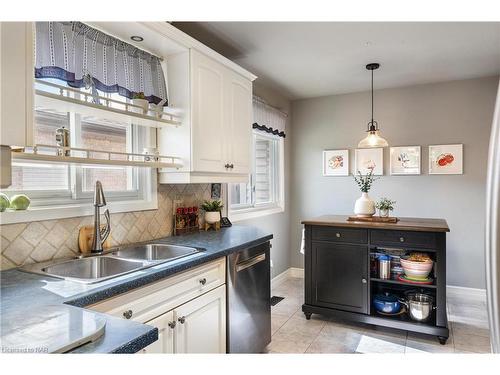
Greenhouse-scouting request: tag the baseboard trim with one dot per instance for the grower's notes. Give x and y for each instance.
(467, 294)
(453, 291)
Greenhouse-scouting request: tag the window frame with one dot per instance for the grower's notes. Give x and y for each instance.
(254, 210)
(74, 202)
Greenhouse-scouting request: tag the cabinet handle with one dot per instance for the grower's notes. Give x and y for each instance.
(127, 314)
(231, 165)
(363, 280)
(172, 324)
(338, 235)
(401, 239)
(203, 281)
(226, 166)
(182, 319)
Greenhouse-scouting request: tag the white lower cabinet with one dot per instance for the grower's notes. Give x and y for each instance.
(189, 310)
(165, 343)
(201, 324)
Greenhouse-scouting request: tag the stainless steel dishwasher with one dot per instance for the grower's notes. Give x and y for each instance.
(248, 300)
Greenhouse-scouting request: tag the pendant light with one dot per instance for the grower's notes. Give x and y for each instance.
(373, 139)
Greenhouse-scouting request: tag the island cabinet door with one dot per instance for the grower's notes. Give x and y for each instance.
(339, 276)
(201, 324)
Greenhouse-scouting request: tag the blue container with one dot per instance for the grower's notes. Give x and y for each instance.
(386, 303)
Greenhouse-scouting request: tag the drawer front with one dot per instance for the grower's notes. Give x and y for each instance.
(332, 234)
(150, 301)
(402, 238)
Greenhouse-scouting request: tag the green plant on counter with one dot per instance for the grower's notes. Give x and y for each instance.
(385, 204)
(138, 95)
(212, 206)
(365, 181)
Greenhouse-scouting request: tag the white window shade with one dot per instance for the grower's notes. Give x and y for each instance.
(268, 119)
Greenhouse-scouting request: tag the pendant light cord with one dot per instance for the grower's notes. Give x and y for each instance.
(372, 97)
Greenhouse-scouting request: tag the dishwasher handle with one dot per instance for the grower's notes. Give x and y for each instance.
(250, 262)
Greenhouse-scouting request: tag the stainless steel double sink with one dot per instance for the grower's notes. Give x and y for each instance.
(113, 263)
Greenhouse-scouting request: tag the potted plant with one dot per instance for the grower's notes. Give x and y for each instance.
(384, 206)
(139, 99)
(212, 211)
(364, 206)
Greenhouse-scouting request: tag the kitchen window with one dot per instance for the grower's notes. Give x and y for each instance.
(264, 193)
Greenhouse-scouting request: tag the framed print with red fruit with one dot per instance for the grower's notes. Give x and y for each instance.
(446, 159)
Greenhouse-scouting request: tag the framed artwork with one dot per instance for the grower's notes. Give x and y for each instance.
(446, 159)
(215, 191)
(405, 160)
(336, 163)
(370, 159)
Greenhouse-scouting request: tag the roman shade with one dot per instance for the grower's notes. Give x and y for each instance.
(85, 57)
(268, 119)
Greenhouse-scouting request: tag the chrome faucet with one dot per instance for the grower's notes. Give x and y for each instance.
(99, 235)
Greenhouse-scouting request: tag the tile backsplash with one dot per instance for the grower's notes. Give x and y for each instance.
(39, 241)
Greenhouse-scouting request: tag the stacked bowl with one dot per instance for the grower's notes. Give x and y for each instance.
(416, 269)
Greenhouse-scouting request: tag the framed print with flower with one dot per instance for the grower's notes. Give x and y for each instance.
(446, 159)
(405, 160)
(336, 163)
(370, 159)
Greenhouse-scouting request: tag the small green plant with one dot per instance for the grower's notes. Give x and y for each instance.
(138, 95)
(385, 204)
(365, 181)
(212, 206)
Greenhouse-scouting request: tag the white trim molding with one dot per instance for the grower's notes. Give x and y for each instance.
(290, 272)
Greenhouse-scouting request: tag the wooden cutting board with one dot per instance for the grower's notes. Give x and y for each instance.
(85, 239)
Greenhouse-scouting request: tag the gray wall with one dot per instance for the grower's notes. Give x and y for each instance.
(441, 113)
(278, 224)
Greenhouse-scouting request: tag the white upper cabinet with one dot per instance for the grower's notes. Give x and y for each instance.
(219, 118)
(208, 110)
(16, 83)
(238, 125)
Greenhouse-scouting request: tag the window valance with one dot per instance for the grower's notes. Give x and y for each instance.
(268, 119)
(83, 56)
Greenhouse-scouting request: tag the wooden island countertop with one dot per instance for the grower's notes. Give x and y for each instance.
(404, 223)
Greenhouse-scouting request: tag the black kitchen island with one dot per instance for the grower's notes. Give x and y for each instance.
(340, 279)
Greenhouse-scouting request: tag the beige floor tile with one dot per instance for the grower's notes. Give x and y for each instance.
(302, 327)
(326, 345)
(283, 343)
(277, 321)
(420, 343)
(472, 343)
(288, 306)
(464, 329)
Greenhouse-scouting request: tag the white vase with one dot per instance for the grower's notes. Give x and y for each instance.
(212, 217)
(364, 206)
(383, 213)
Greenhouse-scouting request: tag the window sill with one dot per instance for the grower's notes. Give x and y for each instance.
(74, 210)
(252, 213)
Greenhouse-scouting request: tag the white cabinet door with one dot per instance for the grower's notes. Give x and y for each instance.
(16, 83)
(207, 94)
(166, 326)
(201, 324)
(238, 124)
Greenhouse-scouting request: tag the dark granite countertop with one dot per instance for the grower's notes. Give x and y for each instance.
(22, 291)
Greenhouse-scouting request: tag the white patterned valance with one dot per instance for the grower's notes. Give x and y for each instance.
(83, 56)
(268, 119)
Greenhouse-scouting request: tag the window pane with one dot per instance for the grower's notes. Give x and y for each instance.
(263, 170)
(42, 177)
(240, 194)
(99, 134)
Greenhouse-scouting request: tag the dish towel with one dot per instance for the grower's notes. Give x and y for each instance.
(303, 241)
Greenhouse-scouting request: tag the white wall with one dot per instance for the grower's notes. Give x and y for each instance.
(441, 113)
